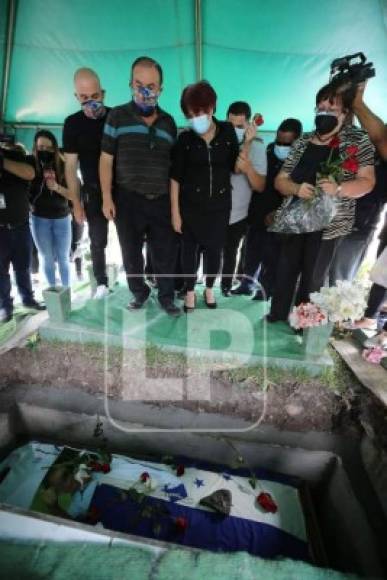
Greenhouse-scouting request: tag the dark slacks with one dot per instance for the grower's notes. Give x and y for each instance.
(297, 258)
(15, 249)
(377, 293)
(135, 216)
(98, 233)
(235, 234)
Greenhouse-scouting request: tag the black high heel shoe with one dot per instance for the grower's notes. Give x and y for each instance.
(211, 305)
(189, 309)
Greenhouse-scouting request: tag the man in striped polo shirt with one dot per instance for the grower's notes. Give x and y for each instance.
(134, 175)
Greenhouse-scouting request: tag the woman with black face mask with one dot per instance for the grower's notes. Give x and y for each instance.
(50, 211)
(307, 256)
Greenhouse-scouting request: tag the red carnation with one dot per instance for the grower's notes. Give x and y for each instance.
(181, 524)
(334, 142)
(258, 120)
(352, 150)
(351, 165)
(105, 468)
(267, 503)
(180, 469)
(144, 477)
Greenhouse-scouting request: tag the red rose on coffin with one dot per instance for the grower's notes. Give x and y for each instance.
(258, 120)
(267, 503)
(144, 477)
(105, 468)
(334, 143)
(352, 150)
(181, 524)
(180, 469)
(351, 165)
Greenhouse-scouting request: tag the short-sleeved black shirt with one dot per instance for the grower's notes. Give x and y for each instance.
(15, 191)
(83, 136)
(269, 199)
(45, 203)
(204, 171)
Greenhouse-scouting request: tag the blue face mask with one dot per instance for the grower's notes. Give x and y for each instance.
(145, 100)
(200, 124)
(281, 151)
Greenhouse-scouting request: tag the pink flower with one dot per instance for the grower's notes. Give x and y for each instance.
(374, 355)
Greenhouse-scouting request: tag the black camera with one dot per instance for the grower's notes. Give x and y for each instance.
(351, 70)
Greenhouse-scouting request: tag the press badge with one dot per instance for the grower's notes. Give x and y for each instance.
(3, 205)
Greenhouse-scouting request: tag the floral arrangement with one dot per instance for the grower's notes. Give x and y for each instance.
(344, 302)
(307, 315)
(334, 168)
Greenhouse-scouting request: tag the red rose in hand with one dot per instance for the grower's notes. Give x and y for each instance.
(334, 142)
(105, 468)
(267, 503)
(181, 524)
(351, 165)
(144, 477)
(352, 150)
(258, 120)
(180, 469)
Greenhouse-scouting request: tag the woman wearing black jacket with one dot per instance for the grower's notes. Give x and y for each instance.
(202, 160)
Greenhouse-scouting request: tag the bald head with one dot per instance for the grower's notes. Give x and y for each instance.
(87, 85)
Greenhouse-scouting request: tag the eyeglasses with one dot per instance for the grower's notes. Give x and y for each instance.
(152, 137)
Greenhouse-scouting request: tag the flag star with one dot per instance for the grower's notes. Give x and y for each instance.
(199, 482)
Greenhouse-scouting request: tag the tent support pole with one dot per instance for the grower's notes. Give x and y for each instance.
(11, 19)
(198, 39)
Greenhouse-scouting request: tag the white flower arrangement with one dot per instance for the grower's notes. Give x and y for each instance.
(344, 302)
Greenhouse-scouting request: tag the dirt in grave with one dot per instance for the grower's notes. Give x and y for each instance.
(291, 400)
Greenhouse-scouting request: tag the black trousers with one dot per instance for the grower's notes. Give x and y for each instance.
(76, 237)
(377, 293)
(135, 216)
(15, 249)
(235, 234)
(253, 256)
(98, 233)
(212, 256)
(325, 257)
(271, 251)
(297, 258)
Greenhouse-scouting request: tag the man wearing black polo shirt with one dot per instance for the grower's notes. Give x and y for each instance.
(16, 172)
(134, 166)
(82, 135)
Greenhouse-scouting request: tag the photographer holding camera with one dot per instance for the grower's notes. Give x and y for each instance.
(16, 172)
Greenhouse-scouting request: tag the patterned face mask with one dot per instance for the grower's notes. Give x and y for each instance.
(93, 109)
(146, 100)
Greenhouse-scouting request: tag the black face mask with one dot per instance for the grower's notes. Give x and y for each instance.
(325, 123)
(46, 157)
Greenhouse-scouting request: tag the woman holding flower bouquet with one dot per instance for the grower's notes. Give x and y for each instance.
(335, 162)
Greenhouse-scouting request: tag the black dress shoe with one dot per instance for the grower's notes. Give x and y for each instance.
(34, 305)
(139, 301)
(241, 291)
(226, 292)
(211, 305)
(171, 309)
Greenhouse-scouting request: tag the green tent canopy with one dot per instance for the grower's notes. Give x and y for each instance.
(275, 54)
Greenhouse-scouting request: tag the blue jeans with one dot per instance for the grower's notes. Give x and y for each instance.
(52, 237)
(15, 249)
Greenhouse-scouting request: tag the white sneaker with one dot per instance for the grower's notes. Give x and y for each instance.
(101, 292)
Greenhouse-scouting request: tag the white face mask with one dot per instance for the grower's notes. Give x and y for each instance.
(240, 133)
(200, 124)
(281, 151)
